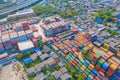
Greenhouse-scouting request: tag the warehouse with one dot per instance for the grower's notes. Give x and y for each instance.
(40, 76)
(21, 14)
(28, 46)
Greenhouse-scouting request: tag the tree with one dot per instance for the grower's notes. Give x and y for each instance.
(118, 26)
(57, 67)
(44, 69)
(81, 77)
(0, 68)
(20, 57)
(73, 72)
(51, 78)
(72, 78)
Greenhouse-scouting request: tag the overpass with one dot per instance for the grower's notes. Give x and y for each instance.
(8, 10)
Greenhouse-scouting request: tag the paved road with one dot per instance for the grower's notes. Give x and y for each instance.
(17, 7)
(9, 74)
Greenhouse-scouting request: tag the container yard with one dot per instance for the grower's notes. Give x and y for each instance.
(85, 52)
(96, 61)
(16, 34)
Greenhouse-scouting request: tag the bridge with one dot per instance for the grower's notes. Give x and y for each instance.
(16, 7)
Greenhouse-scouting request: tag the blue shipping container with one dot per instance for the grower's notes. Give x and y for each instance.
(105, 66)
(27, 60)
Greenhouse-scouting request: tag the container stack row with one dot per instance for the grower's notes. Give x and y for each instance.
(55, 27)
(6, 42)
(89, 58)
(67, 34)
(2, 50)
(11, 34)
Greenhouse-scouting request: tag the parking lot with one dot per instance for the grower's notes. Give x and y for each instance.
(8, 73)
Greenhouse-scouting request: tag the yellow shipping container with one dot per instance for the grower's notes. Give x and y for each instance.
(76, 53)
(106, 46)
(90, 46)
(113, 66)
(103, 49)
(91, 65)
(118, 55)
(83, 67)
(97, 44)
(112, 62)
(90, 76)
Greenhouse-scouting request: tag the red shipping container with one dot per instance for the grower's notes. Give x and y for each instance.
(84, 75)
(1, 47)
(15, 42)
(97, 67)
(101, 73)
(35, 42)
(96, 78)
(94, 59)
(73, 64)
(102, 70)
(110, 72)
(75, 30)
(25, 24)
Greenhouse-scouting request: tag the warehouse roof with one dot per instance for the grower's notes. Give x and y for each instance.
(46, 49)
(40, 77)
(34, 56)
(44, 56)
(31, 70)
(38, 68)
(65, 76)
(57, 74)
(63, 70)
(49, 61)
(54, 55)
(61, 64)
(25, 45)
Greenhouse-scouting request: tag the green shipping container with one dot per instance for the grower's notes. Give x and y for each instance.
(77, 67)
(84, 51)
(80, 62)
(99, 63)
(88, 58)
(68, 57)
(73, 57)
(87, 70)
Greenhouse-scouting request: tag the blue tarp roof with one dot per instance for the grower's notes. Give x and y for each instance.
(37, 50)
(100, 41)
(27, 60)
(118, 16)
(118, 21)
(99, 20)
(118, 31)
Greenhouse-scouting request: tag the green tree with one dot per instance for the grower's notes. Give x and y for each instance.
(81, 77)
(20, 57)
(51, 78)
(119, 26)
(73, 72)
(72, 78)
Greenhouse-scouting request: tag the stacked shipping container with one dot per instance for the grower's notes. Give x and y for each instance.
(14, 38)
(95, 66)
(6, 42)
